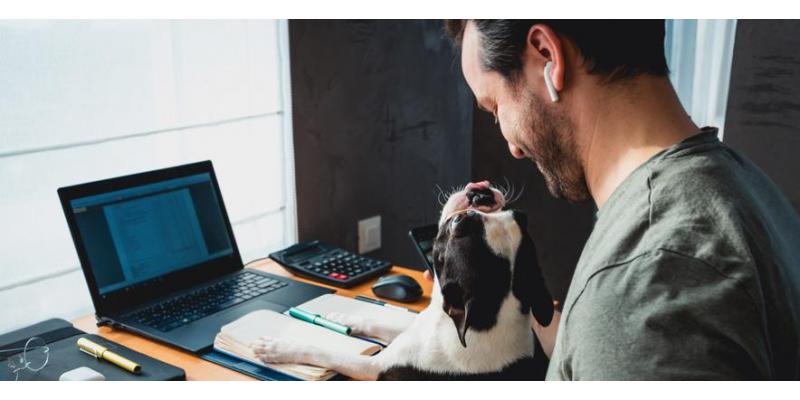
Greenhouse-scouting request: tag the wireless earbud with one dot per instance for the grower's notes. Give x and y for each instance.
(548, 81)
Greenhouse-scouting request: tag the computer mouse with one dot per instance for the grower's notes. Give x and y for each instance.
(397, 287)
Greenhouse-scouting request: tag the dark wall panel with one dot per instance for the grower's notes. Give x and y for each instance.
(763, 116)
(558, 228)
(381, 116)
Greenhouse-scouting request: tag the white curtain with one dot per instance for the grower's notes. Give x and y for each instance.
(86, 100)
(699, 54)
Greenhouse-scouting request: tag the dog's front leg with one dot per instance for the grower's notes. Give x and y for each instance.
(271, 350)
(383, 330)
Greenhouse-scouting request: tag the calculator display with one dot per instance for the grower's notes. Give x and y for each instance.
(304, 253)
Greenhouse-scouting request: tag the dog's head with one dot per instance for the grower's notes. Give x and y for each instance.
(481, 253)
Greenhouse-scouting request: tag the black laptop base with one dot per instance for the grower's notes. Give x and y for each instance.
(198, 336)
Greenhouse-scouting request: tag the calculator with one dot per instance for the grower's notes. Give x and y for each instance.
(329, 264)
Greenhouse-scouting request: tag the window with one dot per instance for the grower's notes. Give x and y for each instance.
(699, 54)
(87, 100)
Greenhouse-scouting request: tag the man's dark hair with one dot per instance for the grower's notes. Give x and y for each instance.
(615, 49)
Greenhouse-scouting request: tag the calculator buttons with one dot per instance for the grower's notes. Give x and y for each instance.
(328, 264)
(338, 276)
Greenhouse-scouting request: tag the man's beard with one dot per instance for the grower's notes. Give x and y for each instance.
(548, 137)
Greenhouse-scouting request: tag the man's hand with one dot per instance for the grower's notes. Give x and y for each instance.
(428, 275)
(547, 334)
(477, 185)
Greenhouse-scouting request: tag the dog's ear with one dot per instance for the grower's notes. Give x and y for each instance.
(461, 320)
(528, 284)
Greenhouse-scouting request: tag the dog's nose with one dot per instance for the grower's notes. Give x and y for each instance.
(481, 197)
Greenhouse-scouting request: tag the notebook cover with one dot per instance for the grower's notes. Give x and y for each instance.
(61, 337)
(247, 368)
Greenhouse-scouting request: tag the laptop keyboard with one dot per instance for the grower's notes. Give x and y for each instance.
(179, 311)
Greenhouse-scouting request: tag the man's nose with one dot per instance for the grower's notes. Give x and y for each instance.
(516, 152)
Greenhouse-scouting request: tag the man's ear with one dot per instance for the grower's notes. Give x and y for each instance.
(543, 45)
(528, 283)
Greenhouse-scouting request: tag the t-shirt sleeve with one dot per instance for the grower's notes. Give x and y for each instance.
(664, 316)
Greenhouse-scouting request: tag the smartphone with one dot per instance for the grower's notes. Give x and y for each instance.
(423, 238)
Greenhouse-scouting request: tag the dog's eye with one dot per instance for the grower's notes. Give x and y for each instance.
(455, 221)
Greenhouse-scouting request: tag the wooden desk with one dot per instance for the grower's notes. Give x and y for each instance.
(199, 369)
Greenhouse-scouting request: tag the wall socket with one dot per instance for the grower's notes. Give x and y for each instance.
(369, 234)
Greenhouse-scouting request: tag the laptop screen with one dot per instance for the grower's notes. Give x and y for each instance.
(143, 232)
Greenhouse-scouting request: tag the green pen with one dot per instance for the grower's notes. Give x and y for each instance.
(318, 320)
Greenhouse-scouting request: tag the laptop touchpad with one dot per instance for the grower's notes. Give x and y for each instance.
(243, 309)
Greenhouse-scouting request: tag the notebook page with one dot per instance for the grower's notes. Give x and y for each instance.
(257, 324)
(325, 304)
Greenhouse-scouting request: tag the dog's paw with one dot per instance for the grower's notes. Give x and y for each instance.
(359, 325)
(272, 350)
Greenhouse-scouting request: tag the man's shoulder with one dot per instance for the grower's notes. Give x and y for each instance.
(711, 181)
(690, 208)
(702, 203)
(718, 207)
(687, 203)
(705, 182)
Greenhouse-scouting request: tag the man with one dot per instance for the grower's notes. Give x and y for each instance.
(692, 270)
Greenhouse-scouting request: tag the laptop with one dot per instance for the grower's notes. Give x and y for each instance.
(158, 254)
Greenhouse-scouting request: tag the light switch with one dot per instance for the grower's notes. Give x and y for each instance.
(369, 234)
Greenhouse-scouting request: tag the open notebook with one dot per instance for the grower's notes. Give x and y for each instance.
(235, 338)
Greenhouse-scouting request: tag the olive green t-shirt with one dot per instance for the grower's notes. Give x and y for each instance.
(692, 271)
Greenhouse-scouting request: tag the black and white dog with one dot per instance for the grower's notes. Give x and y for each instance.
(486, 284)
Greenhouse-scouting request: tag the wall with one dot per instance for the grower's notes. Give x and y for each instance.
(381, 116)
(764, 103)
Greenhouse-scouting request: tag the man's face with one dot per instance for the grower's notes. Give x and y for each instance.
(533, 128)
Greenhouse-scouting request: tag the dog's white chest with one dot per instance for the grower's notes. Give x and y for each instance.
(431, 342)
